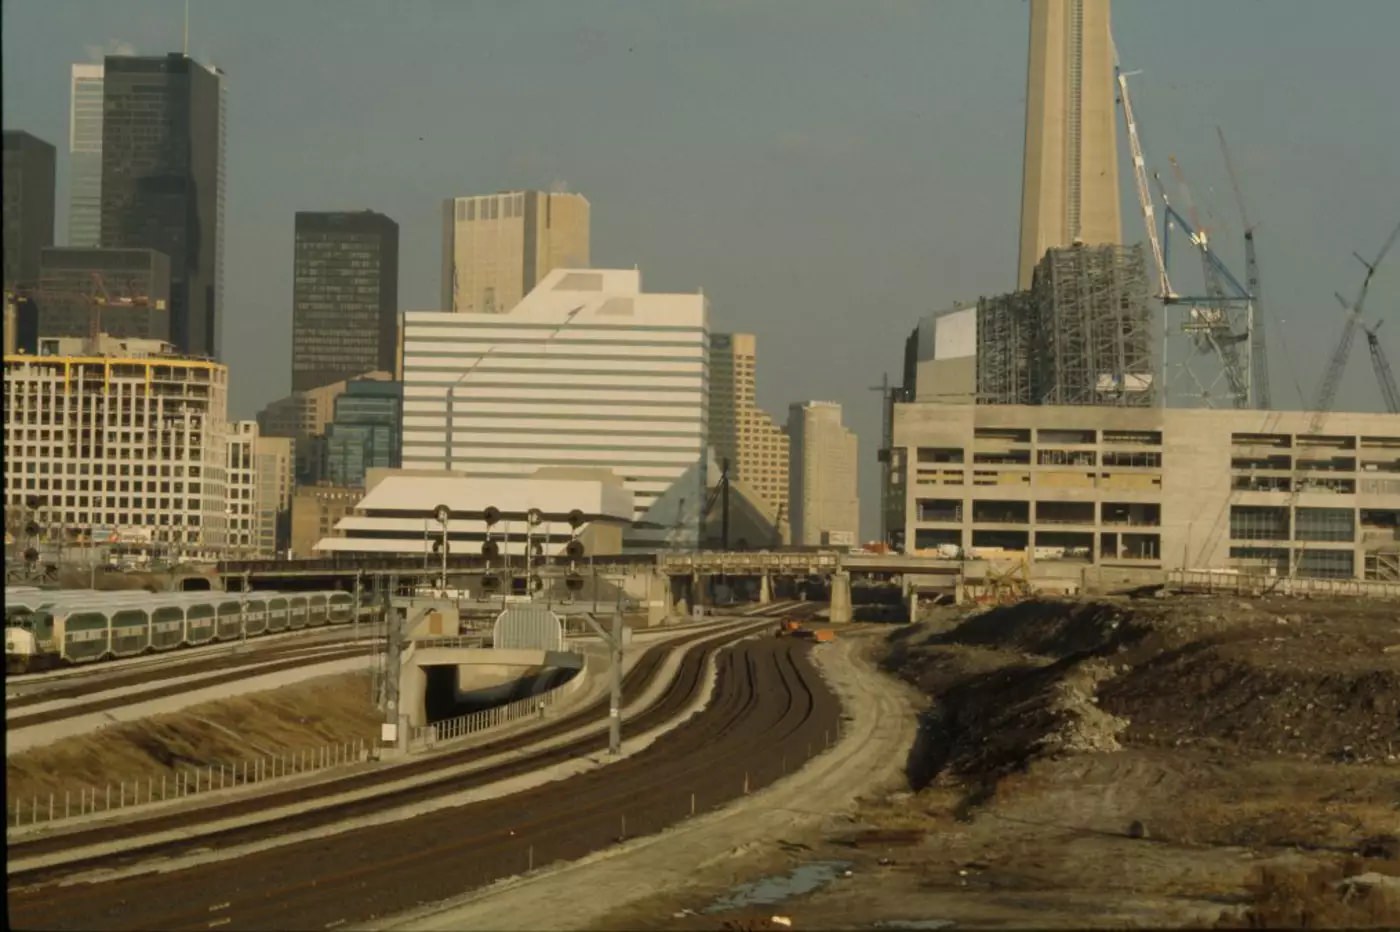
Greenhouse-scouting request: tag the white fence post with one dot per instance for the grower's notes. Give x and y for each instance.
(162, 787)
(50, 807)
(109, 798)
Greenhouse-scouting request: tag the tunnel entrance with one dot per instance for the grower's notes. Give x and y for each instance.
(442, 698)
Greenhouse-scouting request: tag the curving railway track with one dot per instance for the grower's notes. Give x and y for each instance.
(768, 714)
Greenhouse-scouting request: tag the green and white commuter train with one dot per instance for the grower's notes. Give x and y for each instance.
(47, 628)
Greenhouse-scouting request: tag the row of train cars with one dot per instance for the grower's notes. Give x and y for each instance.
(45, 628)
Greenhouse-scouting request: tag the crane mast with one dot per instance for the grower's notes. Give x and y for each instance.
(1259, 347)
(1384, 376)
(1144, 193)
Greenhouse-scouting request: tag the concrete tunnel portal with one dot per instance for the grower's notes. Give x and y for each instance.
(485, 678)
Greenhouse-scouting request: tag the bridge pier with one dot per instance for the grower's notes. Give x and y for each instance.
(840, 597)
(912, 599)
(765, 589)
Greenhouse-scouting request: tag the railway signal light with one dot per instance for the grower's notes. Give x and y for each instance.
(490, 582)
(576, 519)
(574, 582)
(32, 529)
(490, 549)
(491, 515)
(534, 517)
(443, 514)
(574, 549)
(536, 584)
(537, 548)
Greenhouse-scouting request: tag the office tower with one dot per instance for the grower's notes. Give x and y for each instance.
(345, 296)
(128, 438)
(496, 248)
(740, 431)
(241, 489)
(162, 181)
(272, 461)
(85, 157)
(822, 476)
(1069, 191)
(365, 432)
(134, 283)
(587, 372)
(28, 206)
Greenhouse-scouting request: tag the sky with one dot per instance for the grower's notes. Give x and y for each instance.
(827, 172)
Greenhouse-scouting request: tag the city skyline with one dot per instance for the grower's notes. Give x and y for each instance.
(785, 272)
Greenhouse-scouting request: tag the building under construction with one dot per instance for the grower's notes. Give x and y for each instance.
(1081, 335)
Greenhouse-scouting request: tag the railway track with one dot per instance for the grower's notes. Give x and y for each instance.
(769, 713)
(187, 823)
(241, 671)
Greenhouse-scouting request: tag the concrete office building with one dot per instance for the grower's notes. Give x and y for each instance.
(822, 495)
(345, 296)
(316, 509)
(272, 462)
(396, 515)
(586, 371)
(1069, 190)
(131, 439)
(1068, 488)
(496, 248)
(742, 432)
(242, 491)
(28, 206)
(303, 417)
(85, 157)
(136, 283)
(163, 181)
(365, 432)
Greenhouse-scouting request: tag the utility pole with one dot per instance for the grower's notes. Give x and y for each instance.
(724, 504)
(613, 639)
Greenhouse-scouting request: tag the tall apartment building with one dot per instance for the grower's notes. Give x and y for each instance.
(586, 371)
(163, 181)
(316, 510)
(28, 205)
(85, 157)
(1066, 489)
(740, 431)
(345, 296)
(137, 282)
(822, 476)
(132, 439)
(242, 490)
(272, 461)
(497, 247)
(365, 432)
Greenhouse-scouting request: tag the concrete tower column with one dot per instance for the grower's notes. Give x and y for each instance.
(765, 589)
(840, 597)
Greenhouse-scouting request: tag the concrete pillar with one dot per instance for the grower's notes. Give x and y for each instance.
(697, 591)
(765, 589)
(840, 597)
(913, 606)
(679, 587)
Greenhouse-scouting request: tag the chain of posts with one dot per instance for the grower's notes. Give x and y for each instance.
(184, 782)
(463, 725)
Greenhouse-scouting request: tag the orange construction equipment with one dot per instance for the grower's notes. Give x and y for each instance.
(823, 635)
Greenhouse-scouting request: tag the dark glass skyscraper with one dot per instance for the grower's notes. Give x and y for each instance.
(345, 296)
(28, 206)
(162, 180)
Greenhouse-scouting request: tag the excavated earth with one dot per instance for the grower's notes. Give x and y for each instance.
(1192, 761)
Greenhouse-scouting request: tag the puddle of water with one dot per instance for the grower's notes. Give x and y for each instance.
(772, 890)
(913, 924)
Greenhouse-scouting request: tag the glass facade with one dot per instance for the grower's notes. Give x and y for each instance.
(85, 158)
(365, 432)
(161, 119)
(344, 296)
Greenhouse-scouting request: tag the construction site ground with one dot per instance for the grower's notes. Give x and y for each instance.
(1178, 762)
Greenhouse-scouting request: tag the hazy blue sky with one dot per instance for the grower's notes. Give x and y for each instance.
(827, 172)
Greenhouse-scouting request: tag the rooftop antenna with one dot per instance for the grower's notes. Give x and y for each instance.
(185, 49)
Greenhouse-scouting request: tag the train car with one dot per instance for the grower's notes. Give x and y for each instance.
(342, 608)
(277, 619)
(296, 608)
(317, 610)
(130, 631)
(229, 623)
(167, 626)
(199, 623)
(254, 614)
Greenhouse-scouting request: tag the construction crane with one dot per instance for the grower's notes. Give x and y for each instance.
(1259, 348)
(1332, 377)
(96, 298)
(1384, 376)
(1144, 193)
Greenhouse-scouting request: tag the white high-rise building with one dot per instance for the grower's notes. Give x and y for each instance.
(127, 441)
(242, 484)
(822, 476)
(587, 371)
(85, 157)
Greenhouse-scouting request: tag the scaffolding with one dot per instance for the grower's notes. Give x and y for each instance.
(1080, 336)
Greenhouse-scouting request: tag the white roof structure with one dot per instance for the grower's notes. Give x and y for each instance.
(397, 515)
